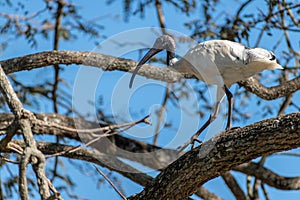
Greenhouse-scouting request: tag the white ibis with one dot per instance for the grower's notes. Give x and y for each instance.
(218, 62)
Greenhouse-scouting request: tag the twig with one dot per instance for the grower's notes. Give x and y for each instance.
(288, 154)
(257, 181)
(265, 27)
(286, 34)
(160, 16)
(106, 128)
(161, 113)
(10, 132)
(16, 148)
(58, 18)
(56, 194)
(264, 191)
(23, 188)
(255, 188)
(110, 182)
(106, 134)
(8, 160)
(63, 152)
(290, 13)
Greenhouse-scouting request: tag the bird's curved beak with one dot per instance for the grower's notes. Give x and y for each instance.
(148, 55)
(277, 66)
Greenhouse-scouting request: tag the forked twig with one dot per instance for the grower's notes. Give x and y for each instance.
(106, 128)
(106, 134)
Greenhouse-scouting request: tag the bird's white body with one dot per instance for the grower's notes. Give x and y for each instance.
(224, 62)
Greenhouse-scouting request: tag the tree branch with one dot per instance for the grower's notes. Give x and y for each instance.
(110, 63)
(221, 153)
(152, 156)
(105, 62)
(269, 177)
(30, 154)
(90, 155)
(233, 186)
(207, 195)
(270, 93)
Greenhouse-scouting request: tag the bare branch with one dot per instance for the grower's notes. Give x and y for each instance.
(90, 155)
(153, 156)
(101, 129)
(270, 93)
(207, 195)
(110, 182)
(233, 185)
(269, 177)
(264, 191)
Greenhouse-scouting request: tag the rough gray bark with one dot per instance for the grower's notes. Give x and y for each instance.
(221, 153)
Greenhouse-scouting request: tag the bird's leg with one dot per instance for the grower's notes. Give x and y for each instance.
(230, 107)
(194, 138)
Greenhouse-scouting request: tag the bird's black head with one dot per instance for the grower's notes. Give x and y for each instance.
(164, 42)
(263, 59)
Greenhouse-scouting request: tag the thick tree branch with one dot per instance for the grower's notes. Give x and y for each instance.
(105, 62)
(109, 63)
(221, 153)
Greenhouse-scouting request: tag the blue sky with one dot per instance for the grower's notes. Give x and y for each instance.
(145, 99)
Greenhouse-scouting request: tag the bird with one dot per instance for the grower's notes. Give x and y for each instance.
(216, 62)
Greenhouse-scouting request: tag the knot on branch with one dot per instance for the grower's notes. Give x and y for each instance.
(25, 114)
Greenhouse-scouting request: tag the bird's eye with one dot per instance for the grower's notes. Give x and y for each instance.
(272, 57)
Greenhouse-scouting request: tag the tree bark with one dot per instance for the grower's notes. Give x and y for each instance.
(221, 153)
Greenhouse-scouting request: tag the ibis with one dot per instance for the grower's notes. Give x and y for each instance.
(217, 62)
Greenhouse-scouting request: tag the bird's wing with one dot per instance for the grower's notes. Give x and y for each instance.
(200, 61)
